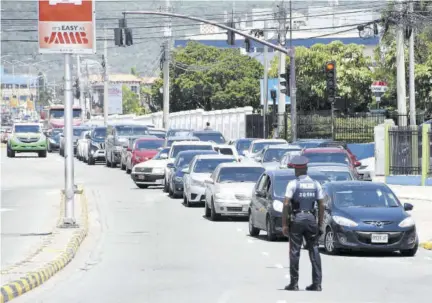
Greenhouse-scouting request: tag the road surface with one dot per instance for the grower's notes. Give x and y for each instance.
(146, 247)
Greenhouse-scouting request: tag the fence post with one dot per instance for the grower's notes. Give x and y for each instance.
(386, 150)
(425, 153)
(414, 146)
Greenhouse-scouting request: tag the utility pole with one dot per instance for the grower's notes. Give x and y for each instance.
(106, 80)
(282, 67)
(87, 104)
(80, 83)
(166, 76)
(265, 84)
(400, 73)
(412, 104)
(293, 85)
(69, 218)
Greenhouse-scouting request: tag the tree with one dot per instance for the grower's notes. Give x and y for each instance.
(354, 75)
(211, 78)
(131, 102)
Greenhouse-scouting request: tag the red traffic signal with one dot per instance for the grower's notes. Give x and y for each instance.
(330, 66)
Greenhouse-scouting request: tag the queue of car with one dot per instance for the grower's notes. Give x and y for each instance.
(247, 178)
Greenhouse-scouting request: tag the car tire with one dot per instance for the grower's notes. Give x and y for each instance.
(170, 192)
(253, 231)
(142, 186)
(10, 153)
(90, 161)
(165, 189)
(269, 229)
(213, 215)
(207, 210)
(409, 252)
(107, 163)
(128, 171)
(329, 240)
(122, 166)
(61, 152)
(42, 154)
(49, 149)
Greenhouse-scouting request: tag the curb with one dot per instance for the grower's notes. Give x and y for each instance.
(32, 280)
(426, 245)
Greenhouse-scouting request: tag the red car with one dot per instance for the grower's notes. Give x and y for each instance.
(142, 150)
(339, 144)
(330, 155)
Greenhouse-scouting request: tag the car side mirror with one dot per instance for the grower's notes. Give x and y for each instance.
(164, 156)
(357, 163)
(408, 206)
(209, 181)
(185, 170)
(170, 165)
(125, 146)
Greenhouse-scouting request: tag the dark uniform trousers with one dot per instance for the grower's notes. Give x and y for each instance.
(304, 225)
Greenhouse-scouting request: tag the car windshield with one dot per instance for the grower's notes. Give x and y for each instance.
(338, 175)
(327, 157)
(99, 133)
(275, 154)
(225, 151)
(159, 134)
(184, 160)
(215, 137)
(59, 113)
(148, 144)
(279, 186)
(239, 174)
(178, 133)
(260, 146)
(180, 148)
(162, 151)
(78, 131)
(307, 144)
(27, 128)
(363, 196)
(243, 145)
(124, 131)
(56, 132)
(209, 165)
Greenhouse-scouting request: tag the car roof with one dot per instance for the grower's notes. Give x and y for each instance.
(214, 156)
(191, 143)
(330, 167)
(269, 140)
(240, 164)
(359, 184)
(279, 146)
(82, 127)
(290, 172)
(147, 138)
(196, 152)
(329, 150)
(247, 139)
(157, 129)
(225, 146)
(329, 164)
(206, 132)
(182, 138)
(24, 123)
(131, 125)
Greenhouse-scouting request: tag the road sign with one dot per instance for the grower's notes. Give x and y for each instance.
(379, 87)
(67, 27)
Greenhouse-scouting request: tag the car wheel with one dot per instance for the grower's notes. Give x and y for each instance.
(253, 231)
(207, 210)
(165, 189)
(128, 171)
(122, 166)
(143, 186)
(10, 153)
(107, 163)
(90, 161)
(329, 242)
(170, 192)
(213, 215)
(61, 152)
(269, 229)
(42, 154)
(409, 252)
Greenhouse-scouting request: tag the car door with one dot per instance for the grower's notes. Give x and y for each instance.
(327, 209)
(187, 178)
(210, 187)
(259, 219)
(108, 142)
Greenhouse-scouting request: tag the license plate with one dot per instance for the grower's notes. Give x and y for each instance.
(141, 177)
(379, 238)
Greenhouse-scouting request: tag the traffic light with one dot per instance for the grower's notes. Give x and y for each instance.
(330, 72)
(128, 37)
(284, 83)
(247, 45)
(77, 89)
(231, 34)
(118, 37)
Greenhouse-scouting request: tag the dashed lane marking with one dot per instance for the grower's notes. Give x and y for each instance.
(264, 253)
(287, 276)
(5, 209)
(239, 229)
(281, 301)
(280, 266)
(250, 241)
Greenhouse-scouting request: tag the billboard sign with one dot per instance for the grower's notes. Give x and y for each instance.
(67, 27)
(272, 85)
(115, 98)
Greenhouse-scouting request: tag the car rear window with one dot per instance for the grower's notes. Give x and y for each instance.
(180, 148)
(327, 157)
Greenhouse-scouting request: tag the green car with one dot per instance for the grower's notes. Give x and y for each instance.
(27, 138)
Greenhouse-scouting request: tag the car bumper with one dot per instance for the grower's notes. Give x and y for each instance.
(178, 188)
(147, 179)
(29, 147)
(54, 145)
(361, 240)
(232, 209)
(98, 154)
(197, 194)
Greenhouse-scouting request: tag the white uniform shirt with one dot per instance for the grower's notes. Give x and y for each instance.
(292, 186)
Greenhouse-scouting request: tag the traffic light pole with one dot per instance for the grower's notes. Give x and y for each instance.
(106, 80)
(80, 88)
(293, 85)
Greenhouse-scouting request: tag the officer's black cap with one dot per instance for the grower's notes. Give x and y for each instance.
(299, 162)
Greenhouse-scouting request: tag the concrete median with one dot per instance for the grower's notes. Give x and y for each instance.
(55, 253)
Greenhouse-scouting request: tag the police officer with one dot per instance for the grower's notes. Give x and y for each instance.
(299, 221)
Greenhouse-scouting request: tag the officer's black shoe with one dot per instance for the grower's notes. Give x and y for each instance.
(314, 287)
(292, 287)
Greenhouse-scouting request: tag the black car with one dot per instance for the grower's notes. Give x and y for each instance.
(183, 159)
(53, 139)
(365, 216)
(265, 212)
(96, 148)
(209, 136)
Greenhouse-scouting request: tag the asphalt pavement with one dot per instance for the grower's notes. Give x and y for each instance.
(30, 200)
(146, 247)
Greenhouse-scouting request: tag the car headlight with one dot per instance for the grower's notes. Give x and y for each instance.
(178, 179)
(407, 222)
(224, 196)
(344, 221)
(278, 205)
(158, 170)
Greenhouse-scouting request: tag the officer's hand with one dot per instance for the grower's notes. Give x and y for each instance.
(285, 231)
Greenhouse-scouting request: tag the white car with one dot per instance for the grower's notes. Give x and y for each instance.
(258, 145)
(366, 170)
(151, 172)
(177, 147)
(286, 159)
(200, 169)
(82, 141)
(229, 189)
(225, 149)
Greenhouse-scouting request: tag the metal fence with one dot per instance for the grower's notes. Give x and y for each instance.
(255, 126)
(404, 150)
(430, 151)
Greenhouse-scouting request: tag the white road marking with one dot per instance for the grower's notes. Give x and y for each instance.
(264, 253)
(287, 276)
(239, 229)
(5, 209)
(281, 301)
(250, 241)
(280, 266)
(428, 258)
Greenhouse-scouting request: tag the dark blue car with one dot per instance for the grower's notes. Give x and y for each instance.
(53, 139)
(265, 212)
(364, 216)
(183, 159)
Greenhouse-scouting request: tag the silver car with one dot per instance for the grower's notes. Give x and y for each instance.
(335, 171)
(271, 155)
